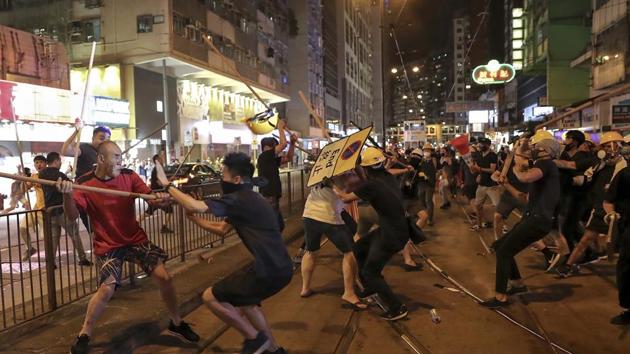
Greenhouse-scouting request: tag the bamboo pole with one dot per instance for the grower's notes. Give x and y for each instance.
(318, 119)
(83, 104)
(145, 138)
(46, 182)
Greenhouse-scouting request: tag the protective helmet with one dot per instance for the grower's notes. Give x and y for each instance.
(576, 135)
(427, 146)
(417, 152)
(372, 156)
(587, 138)
(627, 139)
(609, 137)
(551, 146)
(263, 123)
(540, 136)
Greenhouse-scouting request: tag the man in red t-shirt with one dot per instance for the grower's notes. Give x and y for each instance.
(118, 238)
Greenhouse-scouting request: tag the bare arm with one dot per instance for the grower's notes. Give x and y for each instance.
(609, 207)
(493, 167)
(189, 203)
(69, 146)
(289, 156)
(399, 171)
(522, 197)
(345, 197)
(70, 209)
(567, 165)
(220, 228)
(529, 176)
(283, 139)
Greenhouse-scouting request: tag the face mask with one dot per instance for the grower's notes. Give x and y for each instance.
(535, 155)
(229, 187)
(484, 148)
(377, 167)
(569, 147)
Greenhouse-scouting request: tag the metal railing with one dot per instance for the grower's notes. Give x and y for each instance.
(28, 276)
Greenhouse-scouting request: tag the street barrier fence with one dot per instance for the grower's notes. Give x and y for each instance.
(33, 283)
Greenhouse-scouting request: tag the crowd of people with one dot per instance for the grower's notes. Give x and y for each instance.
(572, 190)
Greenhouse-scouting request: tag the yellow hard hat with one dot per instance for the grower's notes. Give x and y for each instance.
(609, 137)
(263, 123)
(371, 156)
(540, 136)
(427, 146)
(587, 137)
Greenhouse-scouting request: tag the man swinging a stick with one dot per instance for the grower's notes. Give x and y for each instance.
(118, 238)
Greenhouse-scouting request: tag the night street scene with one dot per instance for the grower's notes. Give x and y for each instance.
(315, 176)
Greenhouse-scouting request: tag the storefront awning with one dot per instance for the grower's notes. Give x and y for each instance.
(184, 70)
(559, 116)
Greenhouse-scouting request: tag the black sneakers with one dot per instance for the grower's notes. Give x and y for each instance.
(494, 303)
(513, 290)
(81, 345)
(85, 263)
(183, 331)
(257, 345)
(623, 319)
(394, 315)
(566, 270)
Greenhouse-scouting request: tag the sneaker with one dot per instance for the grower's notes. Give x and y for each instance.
(183, 331)
(166, 230)
(566, 270)
(412, 268)
(280, 350)
(81, 345)
(257, 345)
(494, 303)
(622, 319)
(513, 290)
(85, 263)
(394, 315)
(555, 260)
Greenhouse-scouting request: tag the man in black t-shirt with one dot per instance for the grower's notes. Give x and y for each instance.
(256, 225)
(485, 163)
(514, 196)
(617, 202)
(574, 205)
(544, 195)
(268, 166)
(377, 248)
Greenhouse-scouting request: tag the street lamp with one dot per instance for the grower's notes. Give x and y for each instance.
(404, 97)
(415, 69)
(411, 111)
(419, 96)
(394, 70)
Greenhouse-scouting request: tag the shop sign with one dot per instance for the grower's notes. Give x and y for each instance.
(621, 114)
(110, 111)
(493, 73)
(571, 122)
(35, 103)
(192, 100)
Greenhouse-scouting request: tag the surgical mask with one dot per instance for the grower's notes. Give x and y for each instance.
(229, 187)
(378, 166)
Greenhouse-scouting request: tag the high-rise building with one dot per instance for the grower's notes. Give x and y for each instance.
(409, 99)
(440, 80)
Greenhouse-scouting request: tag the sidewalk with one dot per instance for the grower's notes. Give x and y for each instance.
(136, 312)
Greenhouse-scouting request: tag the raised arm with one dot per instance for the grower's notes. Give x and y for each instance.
(69, 146)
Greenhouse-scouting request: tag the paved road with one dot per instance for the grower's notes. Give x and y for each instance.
(573, 313)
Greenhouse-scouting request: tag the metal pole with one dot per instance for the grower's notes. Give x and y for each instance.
(180, 230)
(49, 253)
(165, 106)
(290, 190)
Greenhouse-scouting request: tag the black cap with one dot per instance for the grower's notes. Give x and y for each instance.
(269, 141)
(484, 140)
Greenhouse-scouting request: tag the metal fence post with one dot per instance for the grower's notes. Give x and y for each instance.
(49, 254)
(180, 230)
(290, 190)
(302, 183)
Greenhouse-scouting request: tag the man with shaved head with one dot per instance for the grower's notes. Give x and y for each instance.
(118, 238)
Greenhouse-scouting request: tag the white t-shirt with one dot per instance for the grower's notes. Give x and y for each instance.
(323, 205)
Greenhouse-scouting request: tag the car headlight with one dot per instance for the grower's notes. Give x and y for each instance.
(180, 181)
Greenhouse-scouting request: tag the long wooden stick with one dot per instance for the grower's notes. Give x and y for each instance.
(296, 146)
(320, 120)
(20, 151)
(80, 187)
(208, 41)
(83, 104)
(184, 160)
(145, 138)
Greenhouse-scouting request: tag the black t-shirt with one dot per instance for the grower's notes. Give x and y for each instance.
(485, 162)
(544, 194)
(87, 160)
(390, 180)
(52, 197)
(583, 160)
(619, 193)
(428, 168)
(390, 210)
(515, 182)
(269, 168)
(256, 223)
(597, 191)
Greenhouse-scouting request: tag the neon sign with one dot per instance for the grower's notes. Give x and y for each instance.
(493, 73)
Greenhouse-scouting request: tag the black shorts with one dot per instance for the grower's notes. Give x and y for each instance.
(470, 191)
(247, 289)
(507, 204)
(337, 234)
(596, 223)
(147, 255)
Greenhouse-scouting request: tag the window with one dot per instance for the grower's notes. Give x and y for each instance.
(85, 31)
(145, 23)
(6, 5)
(179, 25)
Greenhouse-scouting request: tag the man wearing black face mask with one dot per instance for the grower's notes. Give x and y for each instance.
(572, 163)
(253, 219)
(543, 197)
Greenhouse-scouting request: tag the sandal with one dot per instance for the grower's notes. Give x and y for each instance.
(356, 306)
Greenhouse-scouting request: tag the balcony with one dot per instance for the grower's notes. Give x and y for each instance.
(608, 15)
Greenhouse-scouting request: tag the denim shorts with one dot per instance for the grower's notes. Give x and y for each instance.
(337, 234)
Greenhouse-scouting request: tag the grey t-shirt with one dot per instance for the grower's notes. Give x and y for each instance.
(87, 160)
